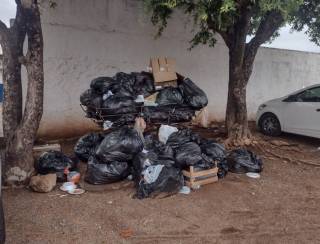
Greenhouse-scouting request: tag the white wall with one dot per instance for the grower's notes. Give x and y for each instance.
(85, 40)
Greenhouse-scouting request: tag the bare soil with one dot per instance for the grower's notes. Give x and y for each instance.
(280, 207)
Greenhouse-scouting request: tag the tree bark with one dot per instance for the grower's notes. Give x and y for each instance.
(236, 114)
(12, 45)
(18, 157)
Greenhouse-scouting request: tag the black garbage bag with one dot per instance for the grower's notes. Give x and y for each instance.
(87, 146)
(96, 102)
(144, 84)
(151, 143)
(168, 114)
(188, 154)
(243, 161)
(120, 145)
(118, 104)
(125, 85)
(99, 173)
(181, 137)
(122, 120)
(170, 181)
(55, 162)
(222, 169)
(144, 159)
(205, 163)
(192, 94)
(214, 150)
(169, 95)
(86, 97)
(102, 85)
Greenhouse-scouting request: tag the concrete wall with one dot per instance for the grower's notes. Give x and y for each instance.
(83, 41)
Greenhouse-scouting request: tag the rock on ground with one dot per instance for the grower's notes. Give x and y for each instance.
(43, 183)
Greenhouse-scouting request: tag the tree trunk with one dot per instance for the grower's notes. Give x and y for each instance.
(236, 114)
(18, 157)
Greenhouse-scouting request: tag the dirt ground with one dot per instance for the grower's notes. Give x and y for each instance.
(280, 207)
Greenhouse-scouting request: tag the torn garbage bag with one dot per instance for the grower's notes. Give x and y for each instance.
(243, 161)
(120, 145)
(87, 146)
(54, 162)
(170, 181)
(99, 173)
(192, 94)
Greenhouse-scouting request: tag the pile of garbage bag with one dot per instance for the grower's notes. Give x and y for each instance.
(121, 98)
(156, 161)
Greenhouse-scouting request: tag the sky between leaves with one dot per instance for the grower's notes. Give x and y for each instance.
(287, 40)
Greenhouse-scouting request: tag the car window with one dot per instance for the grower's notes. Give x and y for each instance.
(310, 95)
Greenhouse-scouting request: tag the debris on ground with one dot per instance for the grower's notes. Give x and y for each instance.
(43, 183)
(126, 233)
(156, 160)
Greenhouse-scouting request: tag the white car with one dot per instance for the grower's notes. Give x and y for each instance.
(297, 113)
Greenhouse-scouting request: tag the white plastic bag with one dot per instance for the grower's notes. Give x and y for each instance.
(202, 118)
(165, 131)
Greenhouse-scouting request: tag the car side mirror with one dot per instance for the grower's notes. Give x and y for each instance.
(291, 98)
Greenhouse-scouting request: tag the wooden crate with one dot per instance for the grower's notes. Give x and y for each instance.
(195, 178)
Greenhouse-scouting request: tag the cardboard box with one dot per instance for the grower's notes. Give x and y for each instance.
(163, 69)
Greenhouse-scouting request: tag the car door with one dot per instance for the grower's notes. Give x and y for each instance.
(302, 113)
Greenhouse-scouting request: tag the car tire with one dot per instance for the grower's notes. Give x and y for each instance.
(270, 125)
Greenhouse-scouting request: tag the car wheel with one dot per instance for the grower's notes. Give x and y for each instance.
(270, 125)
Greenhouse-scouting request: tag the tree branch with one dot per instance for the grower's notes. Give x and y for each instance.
(3, 29)
(268, 26)
(271, 22)
(223, 34)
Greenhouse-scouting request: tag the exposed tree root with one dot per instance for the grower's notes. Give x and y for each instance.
(284, 158)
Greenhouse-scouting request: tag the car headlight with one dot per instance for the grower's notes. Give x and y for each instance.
(262, 106)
